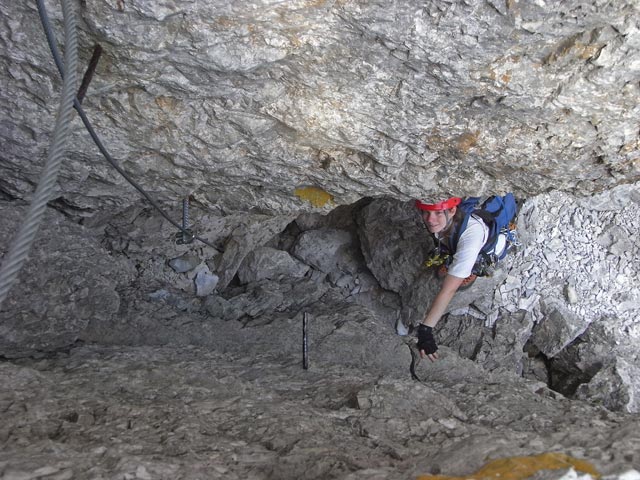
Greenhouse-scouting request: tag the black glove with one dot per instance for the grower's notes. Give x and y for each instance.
(426, 341)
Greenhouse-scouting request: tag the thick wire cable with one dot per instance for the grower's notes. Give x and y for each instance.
(44, 18)
(21, 244)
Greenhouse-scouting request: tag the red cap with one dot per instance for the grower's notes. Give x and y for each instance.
(443, 205)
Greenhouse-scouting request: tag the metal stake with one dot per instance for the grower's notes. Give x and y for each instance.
(185, 219)
(185, 235)
(305, 347)
(88, 75)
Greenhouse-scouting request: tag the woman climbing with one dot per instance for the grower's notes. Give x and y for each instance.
(470, 238)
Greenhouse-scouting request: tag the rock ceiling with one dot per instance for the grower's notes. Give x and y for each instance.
(283, 106)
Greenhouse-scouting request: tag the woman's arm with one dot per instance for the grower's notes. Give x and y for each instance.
(443, 298)
(469, 245)
(438, 307)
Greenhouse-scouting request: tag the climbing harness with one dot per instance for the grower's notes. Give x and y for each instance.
(436, 259)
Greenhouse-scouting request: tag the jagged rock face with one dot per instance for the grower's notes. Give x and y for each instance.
(67, 283)
(146, 378)
(271, 104)
(358, 271)
(265, 110)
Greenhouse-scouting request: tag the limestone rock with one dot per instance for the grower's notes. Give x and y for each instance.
(328, 250)
(571, 294)
(615, 387)
(158, 407)
(184, 263)
(394, 242)
(253, 232)
(270, 263)
(205, 282)
(579, 362)
(500, 346)
(242, 105)
(265, 298)
(219, 307)
(416, 300)
(67, 281)
(176, 300)
(558, 328)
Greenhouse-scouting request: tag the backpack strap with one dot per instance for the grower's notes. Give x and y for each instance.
(492, 236)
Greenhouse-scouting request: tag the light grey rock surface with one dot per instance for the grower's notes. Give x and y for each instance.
(247, 105)
(559, 328)
(166, 413)
(185, 263)
(271, 263)
(206, 282)
(67, 281)
(173, 385)
(250, 233)
(269, 115)
(614, 386)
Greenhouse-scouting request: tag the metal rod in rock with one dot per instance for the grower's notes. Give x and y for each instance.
(185, 220)
(88, 75)
(305, 345)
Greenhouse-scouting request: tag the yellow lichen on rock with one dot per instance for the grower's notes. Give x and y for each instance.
(314, 195)
(467, 141)
(519, 468)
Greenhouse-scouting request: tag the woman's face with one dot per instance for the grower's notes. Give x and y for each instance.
(437, 221)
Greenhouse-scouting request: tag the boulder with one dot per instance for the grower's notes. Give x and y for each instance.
(394, 242)
(254, 231)
(270, 263)
(327, 249)
(205, 282)
(184, 263)
(615, 387)
(558, 328)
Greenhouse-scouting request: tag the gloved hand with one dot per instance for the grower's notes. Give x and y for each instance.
(426, 341)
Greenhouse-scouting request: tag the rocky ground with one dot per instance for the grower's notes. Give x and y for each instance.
(178, 361)
(190, 413)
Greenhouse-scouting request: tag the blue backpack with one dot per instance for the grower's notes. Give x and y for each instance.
(497, 212)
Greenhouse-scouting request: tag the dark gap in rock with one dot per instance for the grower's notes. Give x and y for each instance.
(38, 355)
(6, 196)
(567, 380)
(477, 348)
(235, 282)
(71, 417)
(537, 364)
(577, 363)
(287, 238)
(72, 212)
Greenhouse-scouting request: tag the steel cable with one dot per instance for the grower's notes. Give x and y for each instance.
(21, 244)
(94, 136)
